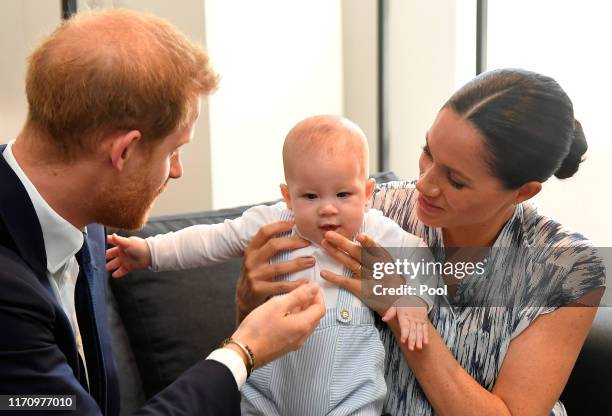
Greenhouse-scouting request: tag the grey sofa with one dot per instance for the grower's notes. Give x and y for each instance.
(162, 323)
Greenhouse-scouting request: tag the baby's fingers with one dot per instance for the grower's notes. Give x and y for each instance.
(419, 335)
(118, 241)
(112, 252)
(404, 330)
(120, 272)
(113, 264)
(121, 241)
(413, 335)
(389, 315)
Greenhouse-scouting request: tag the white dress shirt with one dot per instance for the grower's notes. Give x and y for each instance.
(206, 244)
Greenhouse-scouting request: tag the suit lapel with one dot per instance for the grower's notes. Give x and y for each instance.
(20, 219)
(24, 230)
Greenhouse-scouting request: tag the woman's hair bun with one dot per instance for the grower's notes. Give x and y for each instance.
(569, 165)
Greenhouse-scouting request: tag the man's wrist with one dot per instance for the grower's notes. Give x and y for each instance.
(244, 350)
(244, 358)
(233, 361)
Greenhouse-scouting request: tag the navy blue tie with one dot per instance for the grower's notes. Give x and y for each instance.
(87, 325)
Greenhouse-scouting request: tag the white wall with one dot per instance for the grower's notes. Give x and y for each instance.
(22, 24)
(432, 48)
(582, 68)
(421, 70)
(360, 52)
(575, 59)
(279, 62)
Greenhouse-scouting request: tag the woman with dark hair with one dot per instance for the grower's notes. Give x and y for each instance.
(503, 342)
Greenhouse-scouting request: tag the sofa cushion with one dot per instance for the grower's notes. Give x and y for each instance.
(588, 389)
(174, 319)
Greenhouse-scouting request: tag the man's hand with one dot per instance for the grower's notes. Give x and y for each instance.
(256, 282)
(128, 254)
(282, 324)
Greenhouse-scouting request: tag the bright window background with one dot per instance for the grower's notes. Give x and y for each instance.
(569, 41)
(279, 63)
(430, 51)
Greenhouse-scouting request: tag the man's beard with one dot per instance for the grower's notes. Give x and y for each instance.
(127, 206)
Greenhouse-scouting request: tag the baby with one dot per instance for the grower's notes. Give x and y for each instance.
(340, 368)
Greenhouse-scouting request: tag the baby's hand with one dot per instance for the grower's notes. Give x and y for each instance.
(412, 320)
(128, 254)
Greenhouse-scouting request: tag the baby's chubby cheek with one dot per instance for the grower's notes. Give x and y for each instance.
(352, 223)
(349, 227)
(307, 229)
(350, 232)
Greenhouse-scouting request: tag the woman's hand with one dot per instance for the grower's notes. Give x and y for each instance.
(360, 258)
(256, 282)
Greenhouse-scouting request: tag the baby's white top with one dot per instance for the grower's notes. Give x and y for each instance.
(207, 244)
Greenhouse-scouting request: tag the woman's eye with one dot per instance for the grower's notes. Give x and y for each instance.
(343, 194)
(310, 196)
(456, 184)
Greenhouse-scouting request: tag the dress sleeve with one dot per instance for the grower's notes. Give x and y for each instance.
(395, 200)
(578, 269)
(588, 273)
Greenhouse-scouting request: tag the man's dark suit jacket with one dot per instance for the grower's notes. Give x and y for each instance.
(38, 353)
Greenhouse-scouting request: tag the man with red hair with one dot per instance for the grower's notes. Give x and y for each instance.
(112, 96)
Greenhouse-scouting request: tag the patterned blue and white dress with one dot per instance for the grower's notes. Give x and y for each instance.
(534, 267)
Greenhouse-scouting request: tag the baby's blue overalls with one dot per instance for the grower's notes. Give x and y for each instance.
(338, 371)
